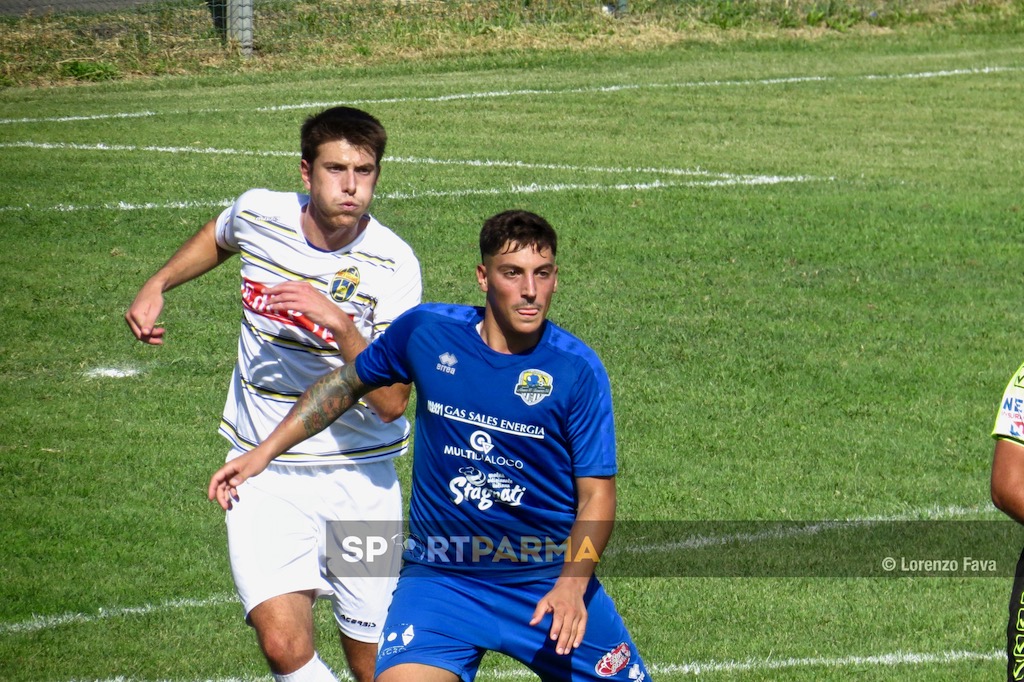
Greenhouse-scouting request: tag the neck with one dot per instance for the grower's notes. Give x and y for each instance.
(505, 342)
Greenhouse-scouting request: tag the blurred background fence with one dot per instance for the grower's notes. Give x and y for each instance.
(231, 20)
(45, 42)
(100, 28)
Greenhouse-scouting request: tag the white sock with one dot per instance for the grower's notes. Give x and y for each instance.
(314, 671)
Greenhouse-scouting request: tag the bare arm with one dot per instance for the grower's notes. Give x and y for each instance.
(595, 518)
(388, 402)
(195, 257)
(1008, 478)
(325, 400)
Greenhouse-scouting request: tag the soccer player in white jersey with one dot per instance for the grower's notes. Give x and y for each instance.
(320, 278)
(1008, 495)
(513, 482)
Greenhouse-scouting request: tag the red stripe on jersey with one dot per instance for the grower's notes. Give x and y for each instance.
(255, 298)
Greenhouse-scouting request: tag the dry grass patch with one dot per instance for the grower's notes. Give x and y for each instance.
(178, 37)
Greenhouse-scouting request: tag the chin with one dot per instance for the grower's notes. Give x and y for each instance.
(527, 329)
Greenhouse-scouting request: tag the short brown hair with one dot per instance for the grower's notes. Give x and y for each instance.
(514, 230)
(355, 126)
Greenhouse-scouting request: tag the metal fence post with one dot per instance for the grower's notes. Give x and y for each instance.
(240, 24)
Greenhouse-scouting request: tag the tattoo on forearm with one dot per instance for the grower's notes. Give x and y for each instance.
(328, 398)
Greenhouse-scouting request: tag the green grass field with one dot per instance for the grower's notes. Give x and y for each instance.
(797, 258)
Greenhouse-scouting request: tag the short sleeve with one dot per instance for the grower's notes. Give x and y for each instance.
(385, 361)
(1010, 417)
(406, 293)
(225, 227)
(591, 423)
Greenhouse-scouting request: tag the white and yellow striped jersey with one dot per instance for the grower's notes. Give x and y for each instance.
(373, 280)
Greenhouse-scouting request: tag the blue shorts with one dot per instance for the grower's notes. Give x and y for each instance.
(449, 620)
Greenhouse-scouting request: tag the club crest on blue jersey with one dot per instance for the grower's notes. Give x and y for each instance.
(343, 286)
(533, 386)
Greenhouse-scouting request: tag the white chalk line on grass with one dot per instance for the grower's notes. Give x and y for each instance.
(697, 668)
(103, 147)
(790, 80)
(751, 180)
(121, 206)
(748, 181)
(713, 179)
(46, 622)
(534, 188)
(411, 160)
(893, 659)
(758, 664)
(111, 372)
(70, 119)
(793, 530)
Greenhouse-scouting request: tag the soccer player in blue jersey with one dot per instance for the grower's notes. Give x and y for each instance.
(513, 482)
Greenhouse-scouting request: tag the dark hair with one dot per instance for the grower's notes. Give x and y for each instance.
(354, 126)
(514, 230)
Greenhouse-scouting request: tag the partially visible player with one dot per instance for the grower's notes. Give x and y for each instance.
(513, 483)
(320, 278)
(1008, 495)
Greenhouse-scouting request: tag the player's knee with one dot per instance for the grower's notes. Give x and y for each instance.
(285, 651)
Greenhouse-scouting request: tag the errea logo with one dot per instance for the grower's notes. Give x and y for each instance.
(447, 363)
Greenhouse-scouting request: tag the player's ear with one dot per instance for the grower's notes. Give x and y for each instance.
(306, 171)
(555, 273)
(481, 277)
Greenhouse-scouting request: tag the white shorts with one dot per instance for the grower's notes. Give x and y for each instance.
(277, 538)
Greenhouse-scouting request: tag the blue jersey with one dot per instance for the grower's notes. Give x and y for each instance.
(499, 438)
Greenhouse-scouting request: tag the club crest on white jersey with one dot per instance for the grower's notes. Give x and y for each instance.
(344, 284)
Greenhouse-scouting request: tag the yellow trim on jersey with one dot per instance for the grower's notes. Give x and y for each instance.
(293, 344)
(267, 393)
(375, 451)
(256, 389)
(379, 451)
(253, 259)
(371, 258)
(280, 228)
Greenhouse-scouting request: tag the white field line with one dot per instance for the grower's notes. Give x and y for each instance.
(758, 664)
(46, 622)
(70, 119)
(713, 179)
(945, 73)
(36, 623)
(111, 372)
(398, 196)
(893, 659)
(411, 160)
(697, 668)
(811, 528)
(790, 80)
(103, 147)
(121, 206)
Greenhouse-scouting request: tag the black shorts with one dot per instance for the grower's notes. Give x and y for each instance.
(1015, 627)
